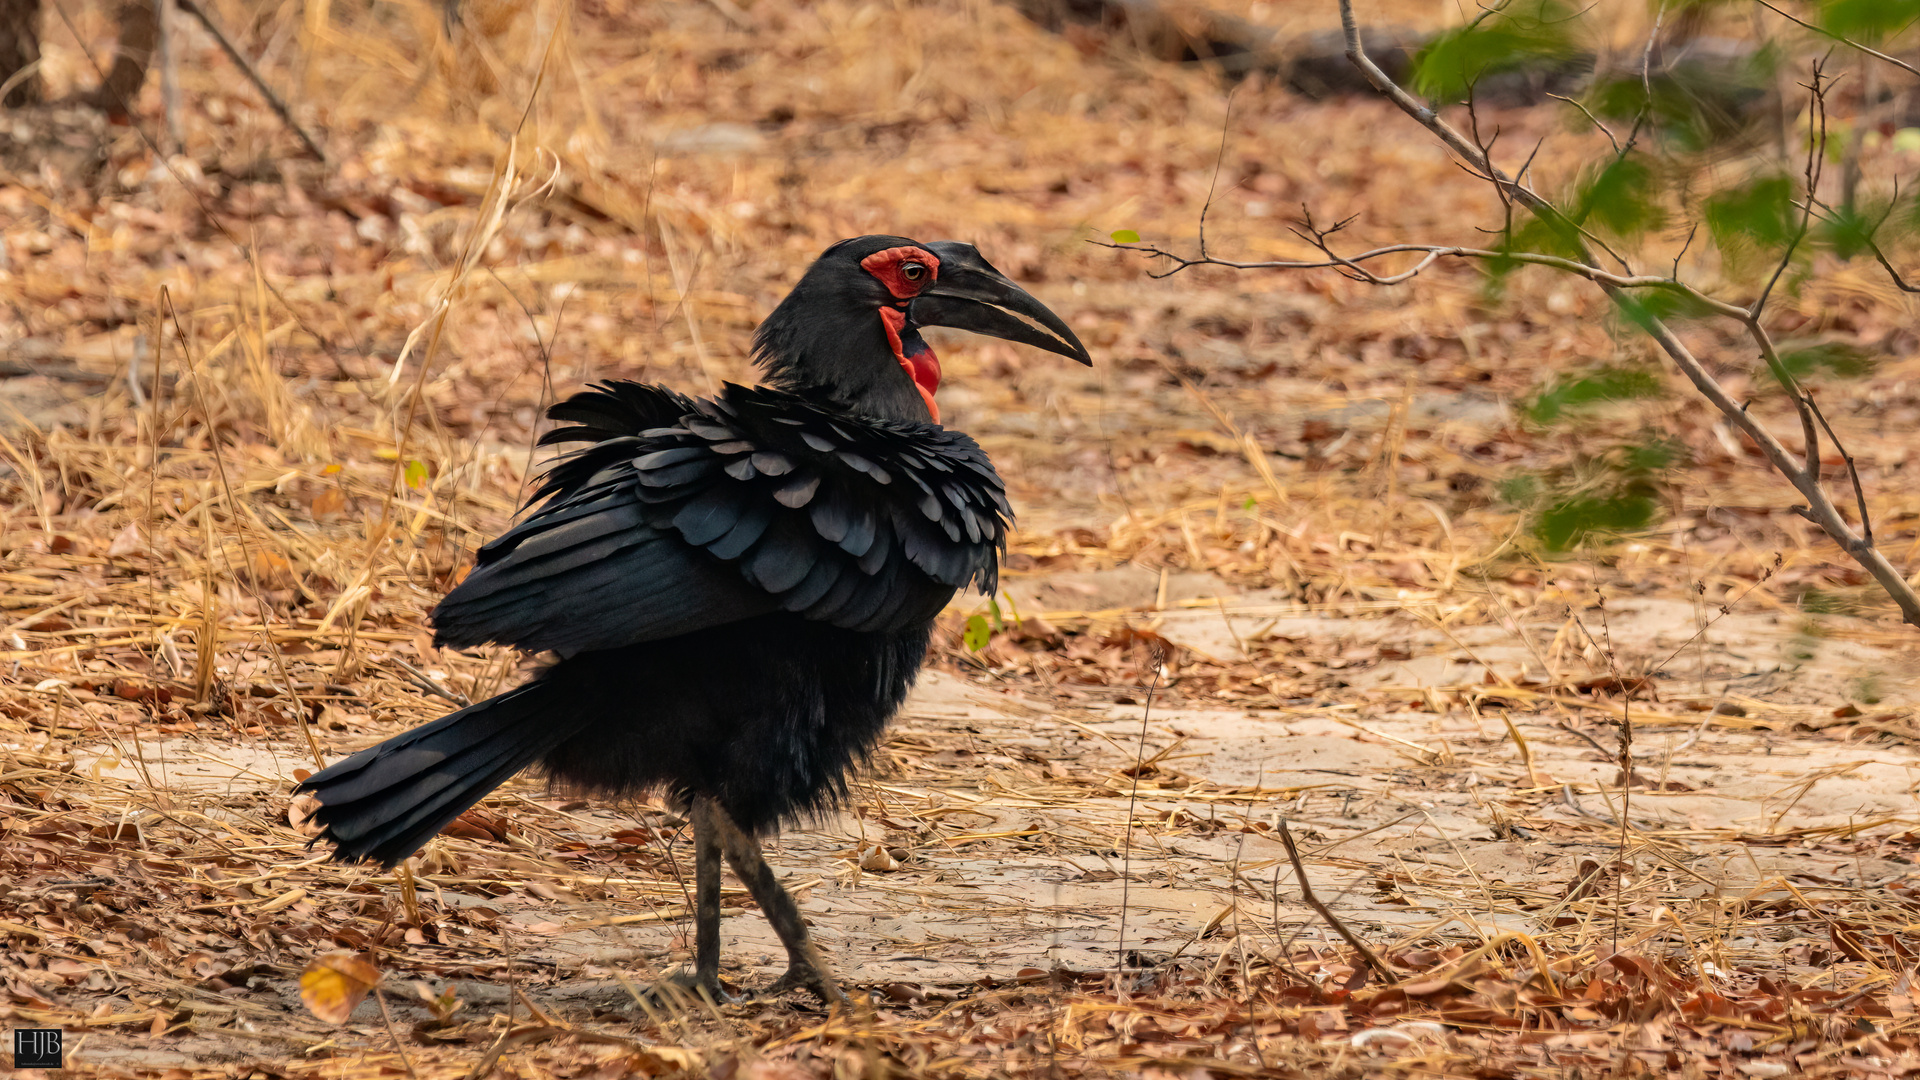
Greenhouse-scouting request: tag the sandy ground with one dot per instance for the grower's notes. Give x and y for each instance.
(1004, 822)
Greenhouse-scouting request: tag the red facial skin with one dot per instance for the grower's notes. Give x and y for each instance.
(889, 267)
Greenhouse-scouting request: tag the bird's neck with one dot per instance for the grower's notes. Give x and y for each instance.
(873, 371)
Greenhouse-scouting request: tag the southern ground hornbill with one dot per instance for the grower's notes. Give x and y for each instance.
(739, 589)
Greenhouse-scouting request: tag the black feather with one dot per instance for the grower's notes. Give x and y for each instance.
(740, 589)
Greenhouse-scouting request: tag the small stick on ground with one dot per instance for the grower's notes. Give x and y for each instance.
(398, 1046)
(1133, 799)
(425, 682)
(1526, 752)
(1372, 958)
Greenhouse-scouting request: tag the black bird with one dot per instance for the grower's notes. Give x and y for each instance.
(739, 589)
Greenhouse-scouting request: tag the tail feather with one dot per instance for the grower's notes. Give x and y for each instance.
(384, 802)
(393, 839)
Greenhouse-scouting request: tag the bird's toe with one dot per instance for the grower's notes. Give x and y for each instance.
(681, 987)
(800, 977)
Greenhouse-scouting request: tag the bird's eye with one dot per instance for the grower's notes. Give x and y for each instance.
(913, 271)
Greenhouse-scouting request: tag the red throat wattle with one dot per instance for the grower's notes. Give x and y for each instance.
(922, 367)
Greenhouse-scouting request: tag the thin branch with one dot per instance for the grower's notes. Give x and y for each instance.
(1226, 128)
(1870, 238)
(1306, 894)
(120, 102)
(1646, 54)
(1433, 253)
(386, 1018)
(1898, 282)
(422, 680)
(1848, 42)
(1853, 471)
(1604, 130)
(1692, 232)
(1133, 796)
(1816, 158)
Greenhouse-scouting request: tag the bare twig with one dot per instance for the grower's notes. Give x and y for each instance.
(423, 681)
(1133, 796)
(1868, 238)
(1646, 54)
(1816, 156)
(1604, 130)
(1366, 952)
(1853, 471)
(1572, 802)
(399, 1047)
(1432, 253)
(120, 102)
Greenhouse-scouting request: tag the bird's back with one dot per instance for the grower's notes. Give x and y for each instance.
(685, 514)
(742, 588)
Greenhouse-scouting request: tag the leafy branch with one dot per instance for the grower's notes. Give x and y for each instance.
(1570, 233)
(1842, 39)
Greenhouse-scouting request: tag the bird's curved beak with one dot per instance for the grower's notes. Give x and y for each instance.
(971, 295)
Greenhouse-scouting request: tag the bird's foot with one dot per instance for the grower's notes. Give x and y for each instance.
(806, 977)
(682, 985)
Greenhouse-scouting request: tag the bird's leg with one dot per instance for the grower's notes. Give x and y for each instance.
(705, 977)
(707, 818)
(806, 967)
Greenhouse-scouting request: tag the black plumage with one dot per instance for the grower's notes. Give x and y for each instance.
(738, 591)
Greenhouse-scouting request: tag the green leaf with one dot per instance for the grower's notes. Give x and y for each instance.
(1758, 212)
(1643, 307)
(1250, 503)
(1526, 34)
(1619, 491)
(1546, 236)
(1868, 19)
(1906, 140)
(1837, 358)
(1604, 385)
(1535, 236)
(1125, 236)
(977, 633)
(994, 607)
(1849, 230)
(1521, 491)
(1824, 602)
(1655, 455)
(1621, 199)
(416, 474)
(1580, 517)
(1694, 104)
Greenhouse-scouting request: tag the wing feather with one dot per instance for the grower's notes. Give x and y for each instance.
(687, 513)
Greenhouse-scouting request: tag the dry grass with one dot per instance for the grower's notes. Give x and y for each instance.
(1272, 502)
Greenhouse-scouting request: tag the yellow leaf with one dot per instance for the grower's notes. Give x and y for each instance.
(335, 984)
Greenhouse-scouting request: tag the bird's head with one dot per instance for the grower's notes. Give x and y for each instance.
(849, 332)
